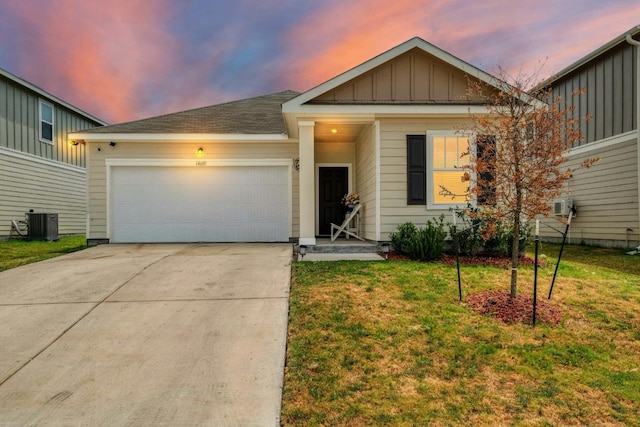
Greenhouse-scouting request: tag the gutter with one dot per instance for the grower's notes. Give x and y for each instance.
(635, 43)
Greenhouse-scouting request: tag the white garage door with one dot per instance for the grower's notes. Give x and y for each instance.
(199, 204)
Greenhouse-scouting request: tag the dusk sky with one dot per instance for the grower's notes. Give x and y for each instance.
(123, 60)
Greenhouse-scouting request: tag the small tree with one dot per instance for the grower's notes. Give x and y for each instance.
(519, 167)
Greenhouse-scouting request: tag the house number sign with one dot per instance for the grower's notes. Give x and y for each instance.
(201, 163)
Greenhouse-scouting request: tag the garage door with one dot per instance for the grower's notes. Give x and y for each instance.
(199, 204)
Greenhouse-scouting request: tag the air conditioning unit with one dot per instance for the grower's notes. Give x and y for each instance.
(562, 207)
(43, 226)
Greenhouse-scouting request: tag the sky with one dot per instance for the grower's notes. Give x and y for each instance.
(123, 60)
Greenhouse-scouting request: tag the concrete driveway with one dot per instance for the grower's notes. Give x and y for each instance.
(180, 334)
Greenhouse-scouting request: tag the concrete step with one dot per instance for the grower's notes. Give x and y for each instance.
(342, 249)
(342, 246)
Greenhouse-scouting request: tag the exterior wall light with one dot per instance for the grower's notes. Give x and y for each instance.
(200, 152)
(385, 250)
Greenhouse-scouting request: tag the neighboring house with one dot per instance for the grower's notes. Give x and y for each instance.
(606, 195)
(39, 170)
(275, 167)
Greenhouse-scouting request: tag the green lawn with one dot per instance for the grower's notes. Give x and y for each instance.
(17, 252)
(388, 343)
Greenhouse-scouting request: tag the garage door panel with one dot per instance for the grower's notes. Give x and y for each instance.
(189, 204)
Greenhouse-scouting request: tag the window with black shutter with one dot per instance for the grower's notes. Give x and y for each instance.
(416, 170)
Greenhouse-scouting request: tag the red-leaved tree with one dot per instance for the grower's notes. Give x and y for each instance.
(519, 166)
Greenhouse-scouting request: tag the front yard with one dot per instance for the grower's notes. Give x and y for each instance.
(388, 343)
(17, 252)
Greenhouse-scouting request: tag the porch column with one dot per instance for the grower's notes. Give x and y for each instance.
(307, 183)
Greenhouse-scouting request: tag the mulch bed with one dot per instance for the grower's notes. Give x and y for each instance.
(481, 260)
(499, 304)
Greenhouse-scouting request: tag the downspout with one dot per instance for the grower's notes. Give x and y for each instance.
(635, 43)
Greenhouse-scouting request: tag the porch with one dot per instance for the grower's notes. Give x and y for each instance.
(336, 157)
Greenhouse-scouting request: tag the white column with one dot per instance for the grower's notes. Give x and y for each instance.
(307, 183)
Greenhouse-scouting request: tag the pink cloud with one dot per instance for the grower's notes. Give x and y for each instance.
(96, 56)
(341, 37)
(589, 34)
(520, 37)
(127, 59)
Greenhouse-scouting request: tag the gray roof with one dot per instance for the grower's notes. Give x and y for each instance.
(259, 115)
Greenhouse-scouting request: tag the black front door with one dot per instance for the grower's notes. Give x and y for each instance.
(334, 184)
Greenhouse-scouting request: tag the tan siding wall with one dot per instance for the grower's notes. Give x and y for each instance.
(393, 172)
(366, 179)
(606, 197)
(334, 152)
(98, 152)
(44, 187)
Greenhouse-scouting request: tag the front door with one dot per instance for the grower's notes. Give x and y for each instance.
(333, 185)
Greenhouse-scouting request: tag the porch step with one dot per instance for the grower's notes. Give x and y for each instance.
(342, 246)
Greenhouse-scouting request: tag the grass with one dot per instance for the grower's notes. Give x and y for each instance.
(17, 252)
(388, 343)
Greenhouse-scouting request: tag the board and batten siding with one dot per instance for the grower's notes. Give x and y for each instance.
(97, 170)
(367, 181)
(609, 97)
(606, 197)
(414, 76)
(28, 182)
(20, 122)
(393, 171)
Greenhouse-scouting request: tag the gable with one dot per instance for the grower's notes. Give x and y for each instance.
(412, 77)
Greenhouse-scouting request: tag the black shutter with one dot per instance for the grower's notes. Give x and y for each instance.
(416, 170)
(485, 150)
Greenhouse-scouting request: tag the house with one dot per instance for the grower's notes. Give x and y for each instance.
(275, 167)
(39, 170)
(606, 195)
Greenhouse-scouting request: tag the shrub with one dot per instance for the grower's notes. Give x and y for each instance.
(422, 244)
(472, 236)
(469, 234)
(498, 243)
(400, 238)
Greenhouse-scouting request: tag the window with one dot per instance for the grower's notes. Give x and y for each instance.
(448, 155)
(416, 170)
(46, 122)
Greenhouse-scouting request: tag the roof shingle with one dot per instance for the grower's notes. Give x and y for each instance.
(259, 115)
